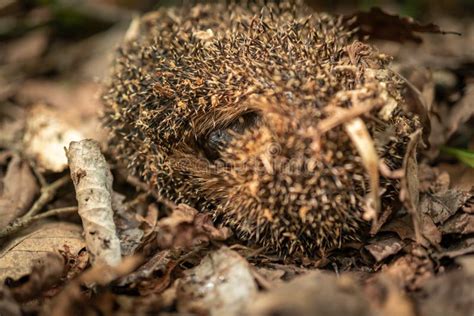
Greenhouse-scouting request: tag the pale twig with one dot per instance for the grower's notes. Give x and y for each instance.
(23, 222)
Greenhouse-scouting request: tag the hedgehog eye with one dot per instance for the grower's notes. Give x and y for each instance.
(218, 139)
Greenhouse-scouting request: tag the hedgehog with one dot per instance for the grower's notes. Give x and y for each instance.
(232, 109)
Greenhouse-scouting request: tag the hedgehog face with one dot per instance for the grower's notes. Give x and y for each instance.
(303, 192)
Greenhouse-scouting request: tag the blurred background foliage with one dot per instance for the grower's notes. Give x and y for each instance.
(74, 19)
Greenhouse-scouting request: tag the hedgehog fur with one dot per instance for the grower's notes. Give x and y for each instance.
(218, 107)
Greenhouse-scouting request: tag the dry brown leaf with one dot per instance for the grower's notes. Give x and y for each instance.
(462, 111)
(17, 190)
(381, 25)
(45, 273)
(442, 205)
(409, 185)
(314, 293)
(460, 223)
(409, 272)
(220, 285)
(381, 248)
(155, 275)
(465, 246)
(186, 227)
(402, 226)
(72, 301)
(18, 256)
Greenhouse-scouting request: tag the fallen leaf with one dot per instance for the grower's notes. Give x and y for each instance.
(220, 285)
(380, 25)
(381, 248)
(442, 205)
(45, 273)
(461, 248)
(314, 293)
(409, 272)
(186, 227)
(18, 257)
(17, 190)
(460, 223)
(409, 184)
(154, 276)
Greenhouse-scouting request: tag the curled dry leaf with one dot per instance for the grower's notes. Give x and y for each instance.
(18, 256)
(187, 227)
(381, 25)
(440, 206)
(45, 273)
(155, 275)
(127, 224)
(410, 271)
(72, 301)
(46, 136)
(461, 223)
(382, 248)
(409, 185)
(314, 293)
(93, 182)
(17, 190)
(220, 285)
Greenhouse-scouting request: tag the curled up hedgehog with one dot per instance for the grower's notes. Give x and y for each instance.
(259, 116)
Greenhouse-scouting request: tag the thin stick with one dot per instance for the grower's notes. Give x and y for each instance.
(24, 222)
(47, 194)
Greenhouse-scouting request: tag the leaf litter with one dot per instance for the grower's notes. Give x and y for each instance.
(418, 260)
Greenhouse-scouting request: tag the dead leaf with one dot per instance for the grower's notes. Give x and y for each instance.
(381, 248)
(72, 301)
(402, 226)
(380, 25)
(186, 227)
(45, 273)
(429, 230)
(154, 276)
(465, 246)
(17, 191)
(409, 185)
(314, 293)
(442, 205)
(460, 223)
(18, 256)
(410, 271)
(220, 285)
(462, 111)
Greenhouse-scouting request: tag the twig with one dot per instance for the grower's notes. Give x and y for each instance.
(47, 194)
(23, 222)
